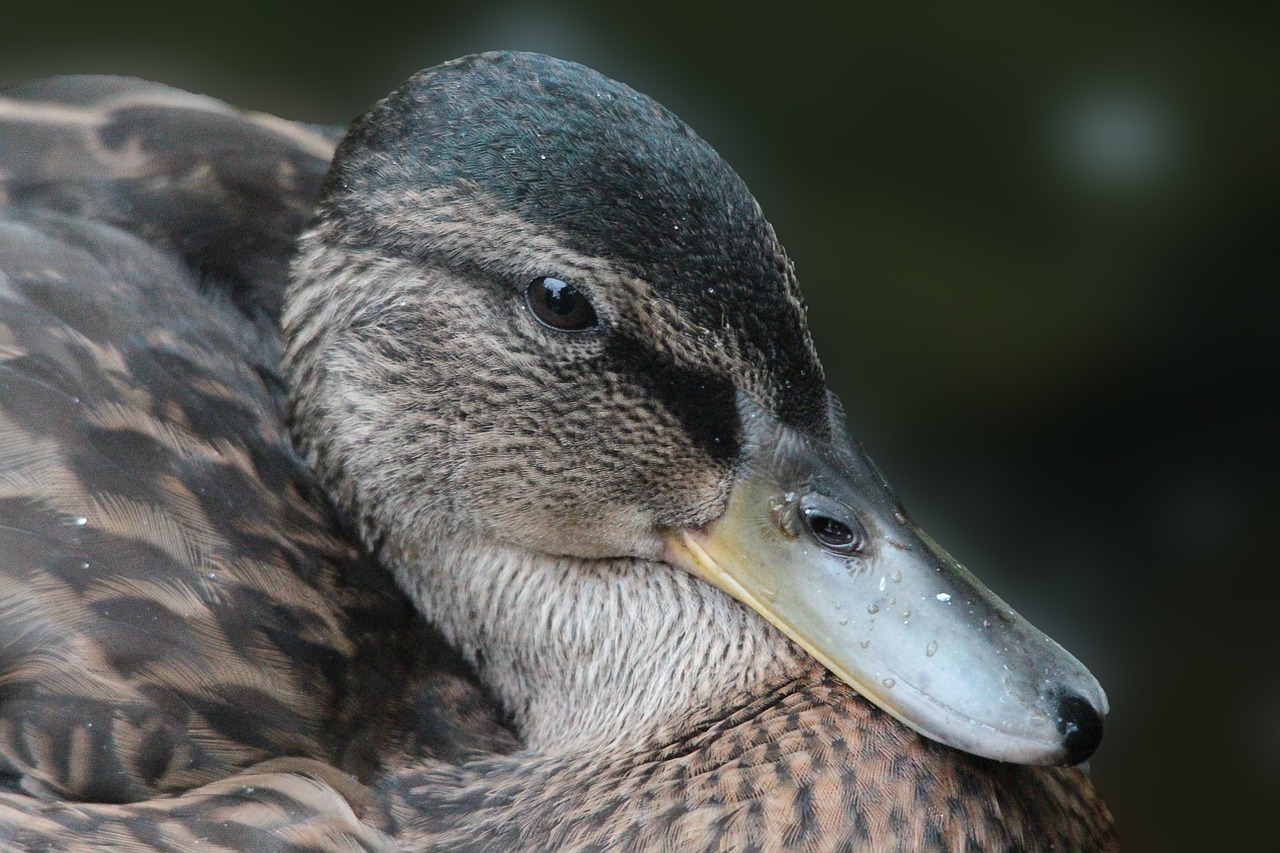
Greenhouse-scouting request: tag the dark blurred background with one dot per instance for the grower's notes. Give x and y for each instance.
(1035, 247)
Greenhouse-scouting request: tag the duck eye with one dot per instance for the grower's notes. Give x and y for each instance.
(559, 305)
(832, 524)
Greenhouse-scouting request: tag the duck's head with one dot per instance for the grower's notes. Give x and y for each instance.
(539, 313)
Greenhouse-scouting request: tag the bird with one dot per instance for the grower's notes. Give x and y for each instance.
(467, 480)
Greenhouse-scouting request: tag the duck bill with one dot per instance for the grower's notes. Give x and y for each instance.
(814, 539)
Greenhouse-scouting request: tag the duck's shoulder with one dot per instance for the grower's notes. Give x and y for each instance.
(808, 766)
(171, 590)
(177, 597)
(227, 190)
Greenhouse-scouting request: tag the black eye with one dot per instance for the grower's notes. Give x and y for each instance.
(559, 305)
(832, 524)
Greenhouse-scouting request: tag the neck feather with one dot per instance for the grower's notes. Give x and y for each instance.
(588, 654)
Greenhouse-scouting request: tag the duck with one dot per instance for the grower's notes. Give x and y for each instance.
(469, 482)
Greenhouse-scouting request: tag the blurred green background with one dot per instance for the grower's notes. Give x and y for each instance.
(1035, 246)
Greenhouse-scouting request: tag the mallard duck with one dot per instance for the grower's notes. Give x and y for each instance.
(549, 362)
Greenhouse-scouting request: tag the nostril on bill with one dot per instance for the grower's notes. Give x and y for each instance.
(1081, 727)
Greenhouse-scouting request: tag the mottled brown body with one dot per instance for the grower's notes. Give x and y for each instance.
(267, 811)
(177, 599)
(808, 766)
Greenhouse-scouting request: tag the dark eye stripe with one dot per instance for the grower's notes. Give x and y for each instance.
(705, 402)
(560, 305)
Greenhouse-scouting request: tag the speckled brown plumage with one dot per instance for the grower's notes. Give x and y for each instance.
(209, 612)
(281, 809)
(226, 191)
(808, 766)
(177, 600)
